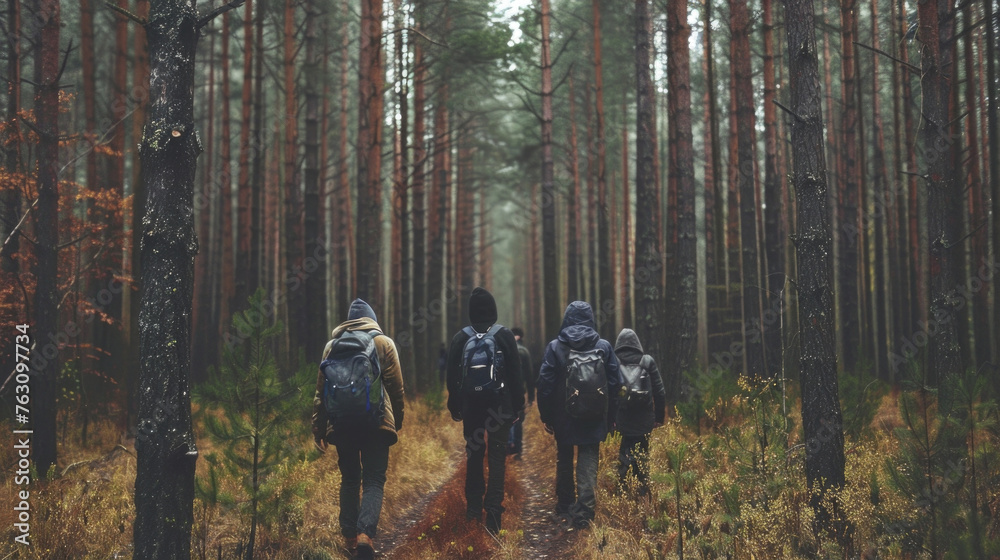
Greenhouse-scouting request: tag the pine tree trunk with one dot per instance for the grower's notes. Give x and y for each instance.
(369, 228)
(679, 89)
(87, 59)
(994, 168)
(345, 236)
(45, 370)
(774, 188)
(258, 181)
(10, 204)
(604, 310)
(203, 313)
(422, 352)
(849, 224)
(591, 267)
(943, 192)
(743, 88)
(225, 192)
(574, 260)
(314, 272)
(165, 447)
(293, 243)
(550, 262)
(882, 209)
(437, 215)
(626, 231)
(243, 286)
(821, 416)
(465, 227)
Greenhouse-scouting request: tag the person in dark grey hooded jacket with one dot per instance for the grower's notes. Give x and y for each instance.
(485, 422)
(577, 333)
(636, 421)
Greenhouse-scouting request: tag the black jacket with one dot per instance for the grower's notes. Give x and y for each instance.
(577, 333)
(483, 315)
(638, 423)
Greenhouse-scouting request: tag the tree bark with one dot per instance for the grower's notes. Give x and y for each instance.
(369, 228)
(316, 333)
(574, 260)
(679, 88)
(821, 416)
(244, 287)
(743, 88)
(604, 310)
(550, 262)
(345, 237)
(994, 168)
(11, 202)
(225, 237)
(45, 370)
(165, 447)
(882, 208)
(422, 352)
(294, 247)
(942, 194)
(774, 188)
(849, 224)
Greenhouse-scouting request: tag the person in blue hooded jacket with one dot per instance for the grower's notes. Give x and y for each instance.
(578, 332)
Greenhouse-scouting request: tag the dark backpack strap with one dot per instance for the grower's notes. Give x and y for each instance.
(646, 363)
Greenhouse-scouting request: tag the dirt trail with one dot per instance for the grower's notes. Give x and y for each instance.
(436, 527)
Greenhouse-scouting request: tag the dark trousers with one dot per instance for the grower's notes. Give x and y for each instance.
(516, 437)
(362, 465)
(579, 501)
(633, 455)
(485, 437)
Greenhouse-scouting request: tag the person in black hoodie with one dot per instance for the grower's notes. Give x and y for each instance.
(639, 415)
(577, 333)
(486, 419)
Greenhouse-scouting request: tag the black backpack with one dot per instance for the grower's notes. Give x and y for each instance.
(586, 385)
(352, 391)
(482, 364)
(637, 387)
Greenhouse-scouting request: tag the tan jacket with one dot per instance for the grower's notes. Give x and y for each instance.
(392, 382)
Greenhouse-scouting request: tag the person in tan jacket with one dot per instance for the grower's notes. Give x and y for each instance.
(362, 454)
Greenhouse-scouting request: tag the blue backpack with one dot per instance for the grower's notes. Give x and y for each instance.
(352, 391)
(482, 364)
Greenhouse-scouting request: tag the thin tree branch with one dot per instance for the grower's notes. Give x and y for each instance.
(905, 64)
(232, 5)
(789, 111)
(141, 21)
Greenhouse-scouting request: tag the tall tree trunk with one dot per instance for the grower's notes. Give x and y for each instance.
(994, 168)
(882, 209)
(165, 447)
(10, 205)
(574, 260)
(203, 316)
(345, 238)
(244, 195)
(821, 416)
(465, 226)
(294, 247)
(942, 194)
(315, 335)
(679, 89)
(899, 262)
(371, 78)
(87, 58)
(550, 263)
(977, 205)
(849, 223)
(45, 370)
(591, 267)
(626, 230)
(437, 215)
(258, 182)
(774, 188)
(605, 279)
(735, 261)
(402, 302)
(226, 191)
(918, 257)
(422, 352)
(753, 343)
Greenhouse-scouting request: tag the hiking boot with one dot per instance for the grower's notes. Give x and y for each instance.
(351, 544)
(581, 523)
(365, 548)
(493, 523)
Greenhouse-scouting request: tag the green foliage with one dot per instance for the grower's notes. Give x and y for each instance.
(256, 419)
(859, 401)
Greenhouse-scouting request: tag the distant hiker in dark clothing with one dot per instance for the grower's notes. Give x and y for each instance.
(514, 444)
(442, 363)
(361, 424)
(485, 392)
(641, 407)
(578, 388)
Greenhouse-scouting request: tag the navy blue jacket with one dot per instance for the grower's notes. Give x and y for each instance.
(577, 333)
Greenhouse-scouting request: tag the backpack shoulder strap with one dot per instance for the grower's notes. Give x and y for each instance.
(646, 362)
(494, 329)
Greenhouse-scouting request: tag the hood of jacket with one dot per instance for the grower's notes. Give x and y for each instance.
(628, 339)
(482, 309)
(578, 328)
(360, 308)
(359, 324)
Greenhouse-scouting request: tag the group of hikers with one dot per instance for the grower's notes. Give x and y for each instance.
(584, 388)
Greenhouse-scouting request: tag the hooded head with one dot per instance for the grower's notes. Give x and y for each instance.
(359, 309)
(628, 339)
(578, 329)
(482, 309)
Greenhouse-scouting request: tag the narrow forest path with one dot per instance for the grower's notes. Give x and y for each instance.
(436, 527)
